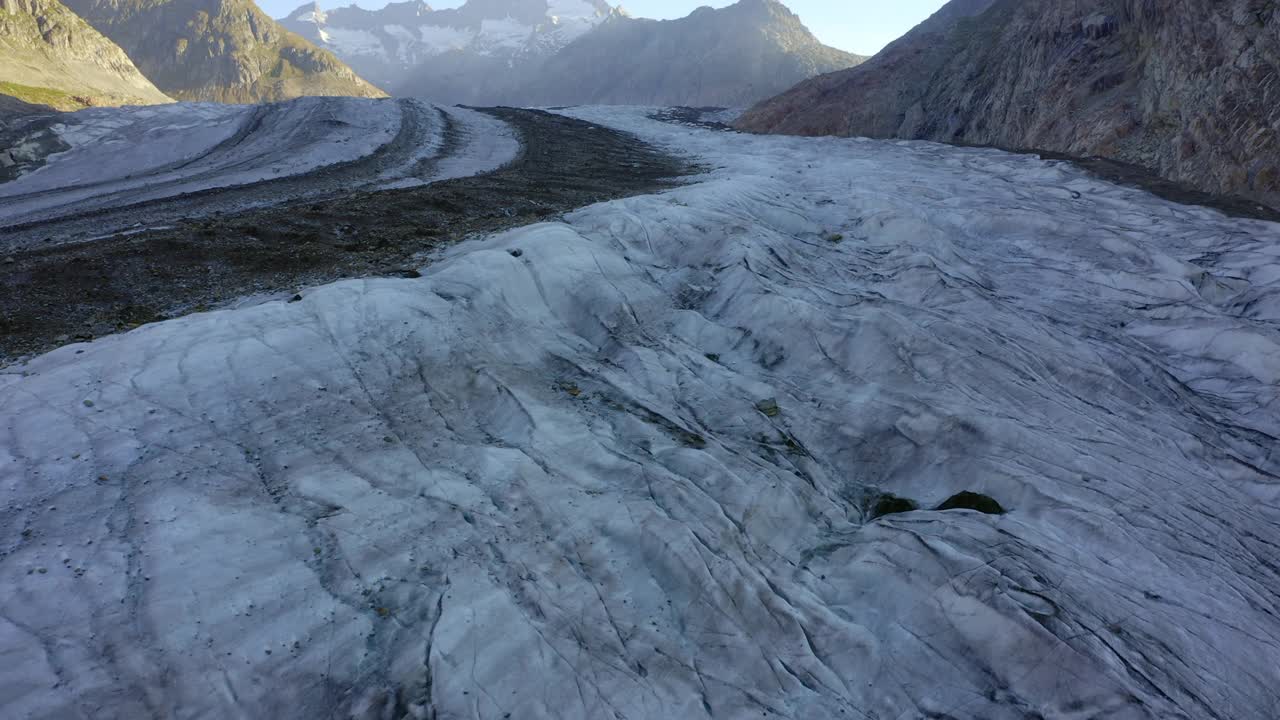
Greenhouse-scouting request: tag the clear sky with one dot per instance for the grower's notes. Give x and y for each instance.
(861, 26)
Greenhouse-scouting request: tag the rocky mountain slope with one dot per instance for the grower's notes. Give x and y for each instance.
(546, 52)
(729, 57)
(49, 56)
(219, 50)
(1189, 90)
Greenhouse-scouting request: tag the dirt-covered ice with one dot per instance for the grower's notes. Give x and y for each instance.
(119, 156)
(626, 465)
(62, 290)
(144, 166)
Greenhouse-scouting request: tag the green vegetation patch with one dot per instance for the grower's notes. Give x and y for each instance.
(42, 96)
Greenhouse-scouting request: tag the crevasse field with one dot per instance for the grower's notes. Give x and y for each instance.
(623, 466)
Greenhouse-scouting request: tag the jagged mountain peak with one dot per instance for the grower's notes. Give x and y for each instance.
(765, 6)
(576, 51)
(316, 11)
(386, 44)
(770, 17)
(472, 12)
(729, 56)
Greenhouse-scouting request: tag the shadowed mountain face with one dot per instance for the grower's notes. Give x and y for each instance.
(1188, 90)
(728, 57)
(573, 52)
(219, 50)
(50, 57)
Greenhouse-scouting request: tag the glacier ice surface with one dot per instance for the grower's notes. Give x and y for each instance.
(626, 472)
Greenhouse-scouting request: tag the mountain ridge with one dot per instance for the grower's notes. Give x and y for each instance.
(388, 43)
(543, 52)
(54, 58)
(729, 56)
(220, 50)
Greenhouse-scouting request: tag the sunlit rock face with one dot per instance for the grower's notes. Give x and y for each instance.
(841, 428)
(54, 60)
(226, 51)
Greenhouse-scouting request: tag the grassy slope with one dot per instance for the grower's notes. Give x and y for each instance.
(220, 50)
(49, 56)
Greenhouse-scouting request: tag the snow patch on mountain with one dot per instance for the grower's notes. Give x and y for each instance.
(502, 34)
(353, 42)
(385, 44)
(435, 39)
(573, 18)
(142, 153)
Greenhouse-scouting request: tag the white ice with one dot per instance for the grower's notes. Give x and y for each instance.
(110, 143)
(134, 154)
(484, 144)
(573, 19)
(122, 157)
(552, 483)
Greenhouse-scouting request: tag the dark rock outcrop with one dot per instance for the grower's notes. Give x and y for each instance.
(1190, 90)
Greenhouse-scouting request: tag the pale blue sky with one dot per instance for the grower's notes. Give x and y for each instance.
(861, 26)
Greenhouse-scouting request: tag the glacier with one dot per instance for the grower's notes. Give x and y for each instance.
(125, 158)
(627, 465)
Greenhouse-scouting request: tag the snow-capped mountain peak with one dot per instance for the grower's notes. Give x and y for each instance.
(388, 42)
(572, 52)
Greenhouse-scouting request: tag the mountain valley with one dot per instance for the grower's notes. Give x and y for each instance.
(1188, 92)
(531, 359)
(54, 59)
(571, 52)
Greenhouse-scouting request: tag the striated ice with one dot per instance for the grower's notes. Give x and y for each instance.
(627, 471)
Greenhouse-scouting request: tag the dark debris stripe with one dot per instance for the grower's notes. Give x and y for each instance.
(54, 294)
